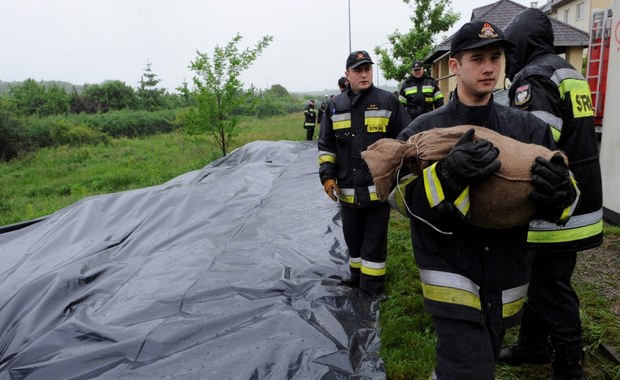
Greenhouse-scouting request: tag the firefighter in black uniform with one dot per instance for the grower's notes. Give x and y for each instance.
(354, 119)
(550, 88)
(474, 280)
(310, 120)
(420, 93)
(343, 84)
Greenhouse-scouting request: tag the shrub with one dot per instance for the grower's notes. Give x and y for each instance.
(65, 132)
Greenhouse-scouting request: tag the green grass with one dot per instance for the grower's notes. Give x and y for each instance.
(43, 182)
(49, 179)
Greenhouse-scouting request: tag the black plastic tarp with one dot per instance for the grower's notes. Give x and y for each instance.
(228, 272)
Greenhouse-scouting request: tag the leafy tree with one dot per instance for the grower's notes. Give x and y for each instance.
(32, 98)
(111, 95)
(10, 131)
(185, 94)
(430, 18)
(219, 90)
(150, 96)
(278, 90)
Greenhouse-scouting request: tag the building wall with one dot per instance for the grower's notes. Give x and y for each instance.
(582, 23)
(569, 14)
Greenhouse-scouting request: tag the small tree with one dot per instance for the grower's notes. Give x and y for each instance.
(430, 18)
(219, 90)
(149, 94)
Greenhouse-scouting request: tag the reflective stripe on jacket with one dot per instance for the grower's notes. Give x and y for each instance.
(351, 124)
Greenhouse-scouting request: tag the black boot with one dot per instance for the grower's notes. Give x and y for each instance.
(532, 347)
(353, 280)
(568, 362)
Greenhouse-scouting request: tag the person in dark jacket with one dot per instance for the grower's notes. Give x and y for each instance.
(354, 119)
(321, 112)
(551, 89)
(310, 120)
(343, 84)
(474, 280)
(420, 93)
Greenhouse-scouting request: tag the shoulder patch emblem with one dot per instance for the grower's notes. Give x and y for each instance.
(523, 95)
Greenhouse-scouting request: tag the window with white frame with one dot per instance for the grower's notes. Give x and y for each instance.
(580, 11)
(566, 14)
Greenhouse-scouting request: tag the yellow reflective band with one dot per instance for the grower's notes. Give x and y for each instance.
(438, 96)
(580, 96)
(376, 124)
(326, 157)
(513, 300)
(451, 295)
(338, 125)
(427, 89)
(411, 90)
(512, 308)
(566, 214)
(373, 269)
(373, 272)
(564, 235)
(355, 262)
(432, 186)
(396, 199)
(462, 202)
(374, 196)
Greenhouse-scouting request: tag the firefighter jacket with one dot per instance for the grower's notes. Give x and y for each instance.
(468, 272)
(310, 116)
(550, 88)
(351, 123)
(420, 95)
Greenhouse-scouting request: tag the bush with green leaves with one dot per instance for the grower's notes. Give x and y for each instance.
(67, 132)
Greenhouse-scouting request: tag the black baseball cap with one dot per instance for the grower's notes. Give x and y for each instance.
(417, 65)
(475, 34)
(357, 58)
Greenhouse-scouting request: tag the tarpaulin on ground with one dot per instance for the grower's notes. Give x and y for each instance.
(228, 272)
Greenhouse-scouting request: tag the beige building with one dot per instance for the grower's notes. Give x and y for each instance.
(577, 13)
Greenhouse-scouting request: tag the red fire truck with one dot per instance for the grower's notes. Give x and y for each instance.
(598, 58)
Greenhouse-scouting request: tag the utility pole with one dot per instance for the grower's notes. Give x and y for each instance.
(350, 27)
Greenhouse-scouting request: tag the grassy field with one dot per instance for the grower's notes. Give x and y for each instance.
(48, 180)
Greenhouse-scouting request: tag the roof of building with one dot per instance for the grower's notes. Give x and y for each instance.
(501, 12)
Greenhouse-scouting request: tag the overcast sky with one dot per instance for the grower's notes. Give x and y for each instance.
(90, 41)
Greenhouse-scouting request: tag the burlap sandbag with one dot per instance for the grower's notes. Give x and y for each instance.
(500, 201)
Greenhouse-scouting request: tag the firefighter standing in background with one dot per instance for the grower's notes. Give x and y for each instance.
(310, 120)
(356, 118)
(420, 93)
(550, 88)
(343, 83)
(474, 280)
(321, 112)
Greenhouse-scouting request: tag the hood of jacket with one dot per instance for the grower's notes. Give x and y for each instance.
(532, 32)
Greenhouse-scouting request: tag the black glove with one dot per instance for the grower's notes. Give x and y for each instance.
(553, 188)
(468, 162)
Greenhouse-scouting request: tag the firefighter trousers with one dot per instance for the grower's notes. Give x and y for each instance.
(552, 309)
(365, 232)
(465, 350)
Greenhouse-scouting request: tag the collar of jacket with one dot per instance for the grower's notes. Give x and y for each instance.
(355, 97)
(475, 115)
